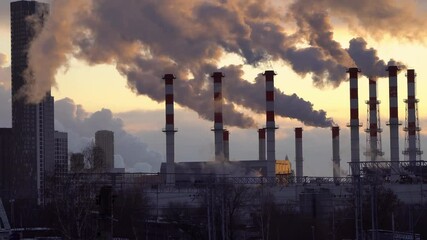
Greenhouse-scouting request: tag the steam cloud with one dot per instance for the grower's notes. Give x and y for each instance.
(81, 127)
(148, 38)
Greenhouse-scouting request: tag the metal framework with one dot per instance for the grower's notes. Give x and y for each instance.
(121, 180)
(406, 171)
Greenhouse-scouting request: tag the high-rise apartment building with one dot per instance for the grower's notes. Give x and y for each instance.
(61, 153)
(105, 140)
(32, 124)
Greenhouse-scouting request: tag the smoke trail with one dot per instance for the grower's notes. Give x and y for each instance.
(393, 18)
(367, 59)
(148, 38)
(290, 106)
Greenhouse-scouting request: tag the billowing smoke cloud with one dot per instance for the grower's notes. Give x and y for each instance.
(148, 38)
(395, 18)
(314, 24)
(367, 60)
(249, 95)
(81, 127)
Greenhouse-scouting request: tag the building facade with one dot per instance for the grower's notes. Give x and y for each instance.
(105, 141)
(61, 153)
(6, 144)
(32, 124)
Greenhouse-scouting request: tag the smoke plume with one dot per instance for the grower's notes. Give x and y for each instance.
(148, 38)
(368, 61)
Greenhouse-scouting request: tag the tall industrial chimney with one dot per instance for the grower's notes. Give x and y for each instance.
(394, 116)
(412, 126)
(218, 125)
(298, 153)
(336, 169)
(261, 139)
(169, 129)
(374, 141)
(355, 148)
(225, 138)
(271, 125)
(354, 121)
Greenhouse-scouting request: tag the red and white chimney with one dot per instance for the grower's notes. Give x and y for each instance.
(169, 129)
(373, 129)
(336, 169)
(271, 125)
(261, 140)
(298, 153)
(394, 116)
(225, 138)
(412, 117)
(354, 121)
(218, 124)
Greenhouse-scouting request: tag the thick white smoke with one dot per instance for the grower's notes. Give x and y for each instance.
(148, 38)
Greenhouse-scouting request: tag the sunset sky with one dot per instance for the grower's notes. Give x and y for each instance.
(98, 86)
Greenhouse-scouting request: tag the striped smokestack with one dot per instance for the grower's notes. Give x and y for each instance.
(373, 150)
(298, 153)
(225, 137)
(261, 139)
(394, 116)
(218, 125)
(336, 169)
(412, 117)
(354, 121)
(271, 125)
(169, 129)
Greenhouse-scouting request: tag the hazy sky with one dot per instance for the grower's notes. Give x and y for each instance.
(106, 51)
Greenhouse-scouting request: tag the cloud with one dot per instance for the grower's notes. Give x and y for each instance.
(81, 127)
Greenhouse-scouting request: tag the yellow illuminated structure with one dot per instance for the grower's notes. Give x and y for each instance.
(283, 166)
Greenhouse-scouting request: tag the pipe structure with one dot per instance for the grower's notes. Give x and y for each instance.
(298, 153)
(412, 127)
(393, 117)
(261, 140)
(270, 123)
(354, 121)
(218, 124)
(225, 138)
(374, 147)
(170, 129)
(336, 168)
